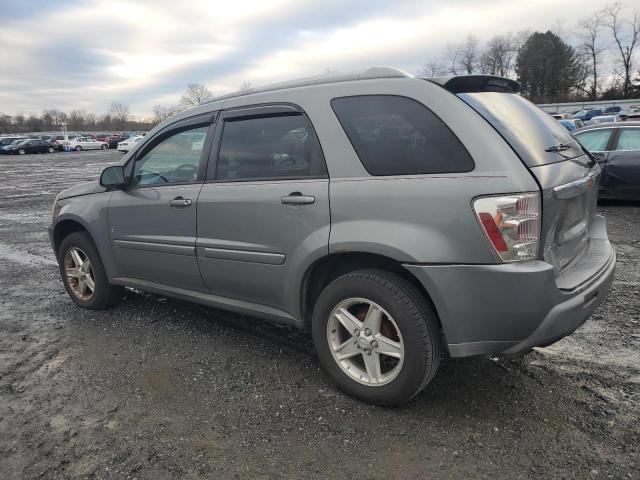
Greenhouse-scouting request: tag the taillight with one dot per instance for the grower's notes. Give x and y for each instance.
(511, 223)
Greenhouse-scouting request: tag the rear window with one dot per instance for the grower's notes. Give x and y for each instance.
(395, 135)
(529, 130)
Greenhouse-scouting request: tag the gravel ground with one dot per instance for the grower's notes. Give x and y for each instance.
(156, 388)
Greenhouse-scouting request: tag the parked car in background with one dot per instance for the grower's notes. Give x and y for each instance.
(616, 146)
(86, 143)
(129, 143)
(612, 109)
(31, 145)
(586, 115)
(4, 141)
(572, 124)
(562, 116)
(114, 140)
(386, 233)
(605, 119)
(632, 113)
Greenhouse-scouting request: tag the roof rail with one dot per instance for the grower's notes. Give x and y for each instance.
(370, 73)
(476, 83)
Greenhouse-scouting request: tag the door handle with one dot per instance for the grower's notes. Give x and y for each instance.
(180, 202)
(297, 198)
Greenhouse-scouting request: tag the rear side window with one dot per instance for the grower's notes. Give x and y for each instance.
(278, 147)
(629, 139)
(595, 140)
(395, 135)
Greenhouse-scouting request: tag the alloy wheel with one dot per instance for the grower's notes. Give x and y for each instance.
(79, 273)
(365, 341)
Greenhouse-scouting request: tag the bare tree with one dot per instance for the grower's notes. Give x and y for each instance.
(246, 87)
(451, 58)
(120, 112)
(590, 47)
(499, 55)
(195, 94)
(162, 112)
(469, 57)
(626, 35)
(432, 69)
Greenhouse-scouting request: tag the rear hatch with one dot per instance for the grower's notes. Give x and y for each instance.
(566, 174)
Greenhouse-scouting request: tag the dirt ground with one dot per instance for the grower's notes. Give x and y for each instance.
(156, 388)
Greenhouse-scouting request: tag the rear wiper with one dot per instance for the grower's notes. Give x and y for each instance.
(559, 147)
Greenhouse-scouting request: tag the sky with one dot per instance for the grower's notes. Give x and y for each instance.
(75, 54)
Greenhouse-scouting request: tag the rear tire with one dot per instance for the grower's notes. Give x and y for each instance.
(51, 150)
(104, 294)
(410, 323)
(78, 148)
(22, 151)
(104, 147)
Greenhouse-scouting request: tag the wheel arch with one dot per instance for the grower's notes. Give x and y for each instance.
(329, 267)
(65, 227)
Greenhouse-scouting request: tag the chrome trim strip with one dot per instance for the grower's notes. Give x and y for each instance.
(156, 247)
(577, 187)
(242, 255)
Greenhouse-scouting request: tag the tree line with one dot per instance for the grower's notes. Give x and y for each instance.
(600, 65)
(117, 118)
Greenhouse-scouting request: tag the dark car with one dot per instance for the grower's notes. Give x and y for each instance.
(617, 148)
(31, 145)
(114, 140)
(9, 140)
(613, 109)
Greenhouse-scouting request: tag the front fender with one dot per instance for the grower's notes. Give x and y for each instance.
(90, 212)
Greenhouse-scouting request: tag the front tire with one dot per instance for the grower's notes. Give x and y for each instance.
(377, 336)
(104, 147)
(83, 273)
(78, 148)
(51, 150)
(22, 151)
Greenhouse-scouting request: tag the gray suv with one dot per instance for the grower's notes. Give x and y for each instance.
(399, 219)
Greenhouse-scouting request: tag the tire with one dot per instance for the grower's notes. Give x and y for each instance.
(104, 147)
(405, 310)
(104, 294)
(78, 148)
(22, 151)
(51, 149)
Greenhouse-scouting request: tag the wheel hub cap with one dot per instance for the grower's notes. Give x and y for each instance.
(79, 272)
(365, 341)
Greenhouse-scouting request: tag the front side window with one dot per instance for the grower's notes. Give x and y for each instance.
(629, 139)
(176, 159)
(395, 135)
(595, 140)
(278, 147)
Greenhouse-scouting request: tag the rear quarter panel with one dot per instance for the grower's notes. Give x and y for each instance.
(417, 218)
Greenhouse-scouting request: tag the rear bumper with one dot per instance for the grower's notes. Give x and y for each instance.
(510, 308)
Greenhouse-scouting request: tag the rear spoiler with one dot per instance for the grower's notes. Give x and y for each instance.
(477, 83)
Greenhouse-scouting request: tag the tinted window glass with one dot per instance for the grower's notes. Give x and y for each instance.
(594, 140)
(176, 159)
(629, 139)
(398, 136)
(529, 130)
(269, 147)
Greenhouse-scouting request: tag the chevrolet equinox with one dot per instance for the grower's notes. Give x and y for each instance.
(399, 219)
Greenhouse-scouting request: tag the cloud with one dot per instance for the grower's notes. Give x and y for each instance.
(73, 54)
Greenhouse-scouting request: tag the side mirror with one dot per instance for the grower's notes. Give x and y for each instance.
(113, 177)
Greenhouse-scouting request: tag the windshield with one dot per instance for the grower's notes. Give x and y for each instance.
(534, 135)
